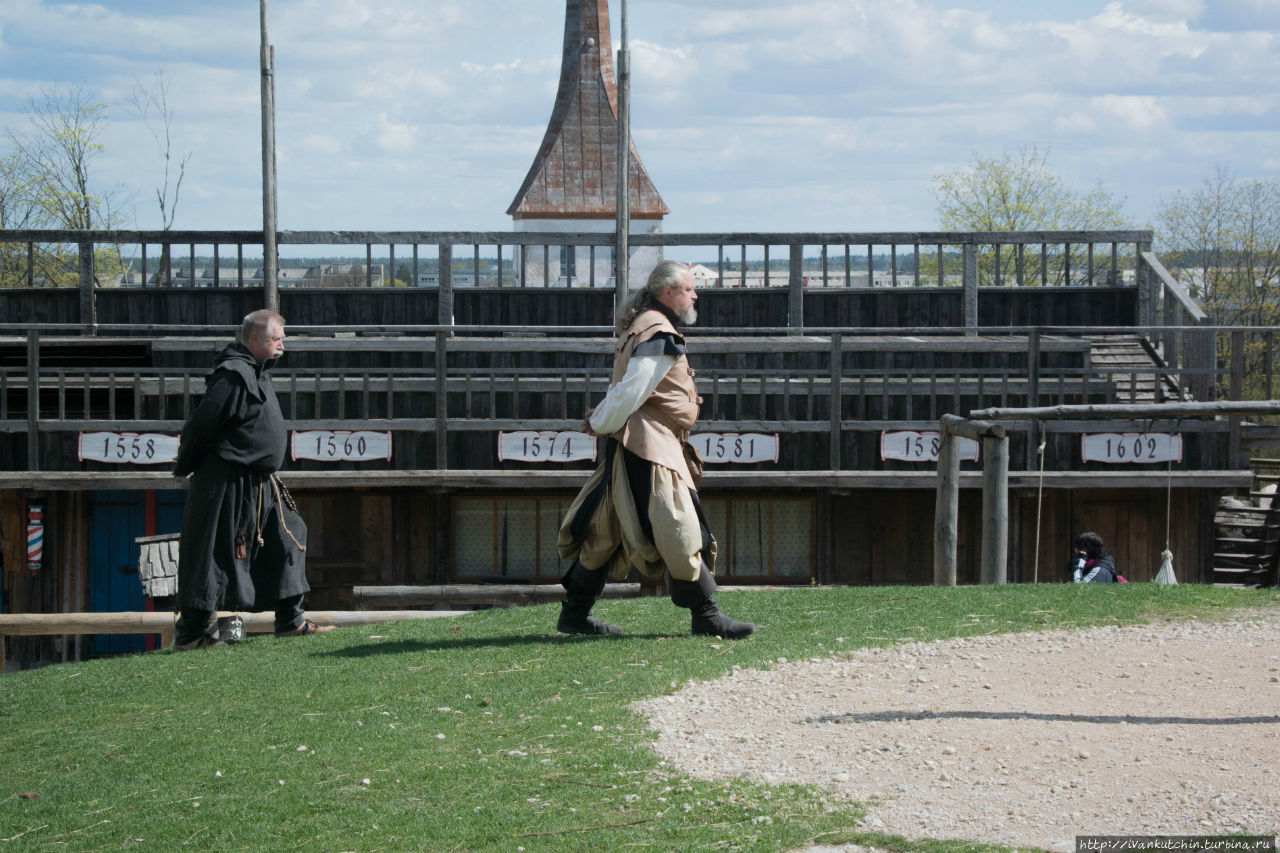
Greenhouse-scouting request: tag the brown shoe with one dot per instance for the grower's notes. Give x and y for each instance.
(307, 627)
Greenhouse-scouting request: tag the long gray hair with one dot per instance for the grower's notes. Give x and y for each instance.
(665, 275)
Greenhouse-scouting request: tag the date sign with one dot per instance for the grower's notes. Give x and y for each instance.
(911, 446)
(129, 448)
(545, 446)
(741, 447)
(328, 445)
(1129, 447)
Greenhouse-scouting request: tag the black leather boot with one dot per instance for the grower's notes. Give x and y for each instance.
(583, 587)
(707, 618)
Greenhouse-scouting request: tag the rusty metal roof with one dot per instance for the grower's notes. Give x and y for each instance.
(574, 175)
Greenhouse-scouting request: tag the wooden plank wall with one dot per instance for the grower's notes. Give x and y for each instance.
(1131, 523)
(61, 583)
(885, 537)
(39, 305)
(717, 307)
(367, 537)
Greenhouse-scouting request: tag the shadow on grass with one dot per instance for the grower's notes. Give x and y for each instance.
(911, 716)
(505, 642)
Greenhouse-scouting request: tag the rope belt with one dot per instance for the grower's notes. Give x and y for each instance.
(282, 498)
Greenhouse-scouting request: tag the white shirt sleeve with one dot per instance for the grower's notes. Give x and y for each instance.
(643, 374)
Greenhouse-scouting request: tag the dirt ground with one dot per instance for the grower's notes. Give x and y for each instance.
(1019, 739)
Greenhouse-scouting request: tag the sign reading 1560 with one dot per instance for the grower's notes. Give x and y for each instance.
(329, 445)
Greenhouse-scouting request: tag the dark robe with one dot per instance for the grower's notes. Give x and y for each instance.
(242, 548)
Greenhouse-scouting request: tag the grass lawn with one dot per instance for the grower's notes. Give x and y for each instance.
(485, 732)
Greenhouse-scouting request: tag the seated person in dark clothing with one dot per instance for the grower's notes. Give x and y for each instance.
(1091, 562)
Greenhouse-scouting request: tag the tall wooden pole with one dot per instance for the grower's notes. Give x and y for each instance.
(995, 509)
(271, 294)
(946, 513)
(623, 240)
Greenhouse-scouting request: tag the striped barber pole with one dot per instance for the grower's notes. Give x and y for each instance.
(35, 537)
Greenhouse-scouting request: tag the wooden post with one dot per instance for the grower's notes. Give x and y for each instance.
(442, 401)
(970, 287)
(1146, 286)
(837, 396)
(444, 295)
(622, 238)
(946, 510)
(795, 290)
(33, 403)
(445, 318)
(995, 495)
(1033, 390)
(270, 290)
(88, 317)
(995, 509)
(1236, 457)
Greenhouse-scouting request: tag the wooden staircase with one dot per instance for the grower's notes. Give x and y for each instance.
(1248, 533)
(1145, 382)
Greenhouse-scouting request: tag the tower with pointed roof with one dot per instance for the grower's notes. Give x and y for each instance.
(572, 184)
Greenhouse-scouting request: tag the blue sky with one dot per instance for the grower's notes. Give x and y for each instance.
(759, 115)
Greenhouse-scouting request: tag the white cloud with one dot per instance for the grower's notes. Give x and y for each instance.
(1138, 112)
(393, 137)
(751, 113)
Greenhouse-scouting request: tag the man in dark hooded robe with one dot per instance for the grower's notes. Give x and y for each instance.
(243, 544)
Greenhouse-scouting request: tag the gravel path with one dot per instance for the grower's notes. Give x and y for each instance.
(1019, 739)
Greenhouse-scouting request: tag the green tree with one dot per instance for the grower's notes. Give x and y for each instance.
(53, 161)
(1017, 191)
(1222, 242)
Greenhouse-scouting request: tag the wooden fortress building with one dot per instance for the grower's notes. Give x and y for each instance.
(434, 429)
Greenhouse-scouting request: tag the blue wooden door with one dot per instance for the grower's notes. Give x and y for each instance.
(116, 518)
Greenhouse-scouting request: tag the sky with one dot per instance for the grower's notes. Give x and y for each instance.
(749, 115)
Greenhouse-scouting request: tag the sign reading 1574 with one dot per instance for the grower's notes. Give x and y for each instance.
(545, 446)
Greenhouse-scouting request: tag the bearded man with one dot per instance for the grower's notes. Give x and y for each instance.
(640, 507)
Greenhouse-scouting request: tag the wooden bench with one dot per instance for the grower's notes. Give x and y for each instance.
(142, 622)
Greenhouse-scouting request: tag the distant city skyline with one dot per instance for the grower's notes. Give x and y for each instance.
(753, 115)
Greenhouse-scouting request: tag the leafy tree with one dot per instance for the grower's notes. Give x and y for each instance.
(51, 172)
(1222, 242)
(1019, 192)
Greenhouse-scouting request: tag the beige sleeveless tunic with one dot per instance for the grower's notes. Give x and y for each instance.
(657, 430)
(615, 541)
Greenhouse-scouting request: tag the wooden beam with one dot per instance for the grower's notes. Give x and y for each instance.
(470, 594)
(571, 480)
(1134, 410)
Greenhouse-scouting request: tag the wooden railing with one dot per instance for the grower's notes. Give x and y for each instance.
(792, 265)
(830, 391)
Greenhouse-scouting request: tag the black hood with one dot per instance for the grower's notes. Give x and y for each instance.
(237, 358)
